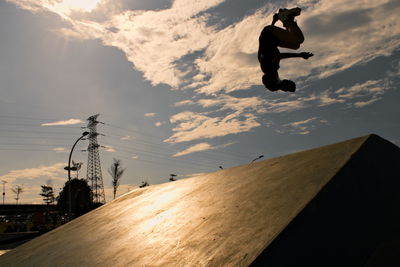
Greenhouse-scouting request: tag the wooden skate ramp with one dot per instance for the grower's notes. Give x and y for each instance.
(271, 213)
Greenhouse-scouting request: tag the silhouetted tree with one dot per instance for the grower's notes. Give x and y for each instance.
(116, 172)
(81, 197)
(18, 189)
(48, 194)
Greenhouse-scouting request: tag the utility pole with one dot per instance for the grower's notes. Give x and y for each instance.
(4, 190)
(94, 176)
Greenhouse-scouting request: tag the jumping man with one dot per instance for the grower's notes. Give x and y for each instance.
(269, 55)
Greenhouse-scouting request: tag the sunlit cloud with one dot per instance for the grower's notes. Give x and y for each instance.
(360, 104)
(214, 60)
(71, 5)
(126, 138)
(358, 95)
(31, 180)
(237, 115)
(135, 157)
(227, 102)
(305, 126)
(184, 103)
(55, 171)
(335, 32)
(200, 147)
(150, 114)
(60, 149)
(160, 123)
(109, 149)
(62, 123)
(192, 126)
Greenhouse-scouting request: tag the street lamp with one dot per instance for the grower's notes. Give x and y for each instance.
(69, 169)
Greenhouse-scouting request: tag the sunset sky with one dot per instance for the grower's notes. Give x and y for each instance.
(178, 86)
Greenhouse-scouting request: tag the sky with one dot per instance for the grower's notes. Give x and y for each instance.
(178, 86)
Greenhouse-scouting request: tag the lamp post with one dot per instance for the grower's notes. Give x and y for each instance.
(4, 190)
(69, 168)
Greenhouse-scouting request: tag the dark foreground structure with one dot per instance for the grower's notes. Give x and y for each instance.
(336, 205)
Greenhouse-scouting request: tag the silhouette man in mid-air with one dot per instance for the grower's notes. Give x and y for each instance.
(269, 55)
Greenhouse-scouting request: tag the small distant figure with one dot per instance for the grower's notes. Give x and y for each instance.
(144, 184)
(269, 55)
(172, 177)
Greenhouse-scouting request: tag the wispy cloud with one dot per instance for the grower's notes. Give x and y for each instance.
(62, 123)
(192, 126)
(59, 149)
(236, 115)
(305, 126)
(150, 114)
(160, 123)
(214, 60)
(200, 147)
(358, 95)
(184, 103)
(109, 149)
(126, 138)
(53, 171)
(335, 32)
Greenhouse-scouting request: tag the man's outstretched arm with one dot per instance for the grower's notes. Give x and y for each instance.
(304, 55)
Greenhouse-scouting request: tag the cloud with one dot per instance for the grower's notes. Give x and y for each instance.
(358, 95)
(199, 147)
(214, 60)
(60, 149)
(150, 114)
(361, 104)
(126, 138)
(192, 126)
(160, 123)
(184, 103)
(55, 171)
(135, 157)
(235, 115)
(227, 102)
(109, 149)
(305, 126)
(226, 56)
(62, 123)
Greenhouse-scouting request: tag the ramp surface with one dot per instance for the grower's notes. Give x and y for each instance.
(225, 218)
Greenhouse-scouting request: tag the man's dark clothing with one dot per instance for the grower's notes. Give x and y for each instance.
(268, 52)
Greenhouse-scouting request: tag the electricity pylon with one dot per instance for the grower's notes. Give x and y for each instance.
(94, 176)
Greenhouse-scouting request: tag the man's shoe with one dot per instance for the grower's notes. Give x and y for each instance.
(288, 14)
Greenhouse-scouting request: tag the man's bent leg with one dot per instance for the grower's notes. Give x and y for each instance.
(297, 36)
(291, 38)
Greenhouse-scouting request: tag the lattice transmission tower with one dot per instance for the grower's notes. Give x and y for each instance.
(94, 176)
